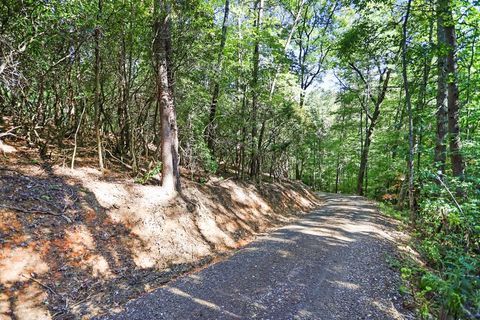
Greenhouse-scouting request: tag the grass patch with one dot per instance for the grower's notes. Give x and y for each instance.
(390, 211)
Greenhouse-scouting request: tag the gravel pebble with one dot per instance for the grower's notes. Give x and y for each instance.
(330, 264)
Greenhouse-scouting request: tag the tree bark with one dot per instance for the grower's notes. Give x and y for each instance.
(458, 166)
(169, 137)
(408, 102)
(254, 164)
(471, 87)
(241, 165)
(440, 156)
(377, 101)
(97, 101)
(272, 90)
(421, 99)
(212, 126)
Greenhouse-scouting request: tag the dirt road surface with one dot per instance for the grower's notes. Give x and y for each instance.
(330, 264)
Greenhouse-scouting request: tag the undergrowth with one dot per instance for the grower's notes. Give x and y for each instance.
(156, 170)
(447, 236)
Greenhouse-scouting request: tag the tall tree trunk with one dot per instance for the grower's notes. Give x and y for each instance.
(337, 172)
(259, 153)
(243, 133)
(169, 137)
(458, 165)
(212, 126)
(259, 147)
(421, 99)
(440, 156)
(471, 87)
(408, 102)
(364, 159)
(97, 102)
(377, 101)
(255, 90)
(242, 92)
(171, 88)
(339, 153)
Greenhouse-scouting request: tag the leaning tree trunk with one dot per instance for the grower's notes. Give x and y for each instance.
(272, 90)
(377, 101)
(169, 136)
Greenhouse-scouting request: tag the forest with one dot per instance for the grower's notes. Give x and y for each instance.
(377, 98)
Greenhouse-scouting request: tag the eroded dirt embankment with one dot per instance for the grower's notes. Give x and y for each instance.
(78, 243)
(333, 264)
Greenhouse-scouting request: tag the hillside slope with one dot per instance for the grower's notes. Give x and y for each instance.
(75, 243)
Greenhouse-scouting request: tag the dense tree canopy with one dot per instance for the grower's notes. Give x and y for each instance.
(379, 98)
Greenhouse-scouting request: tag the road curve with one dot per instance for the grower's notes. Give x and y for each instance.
(330, 264)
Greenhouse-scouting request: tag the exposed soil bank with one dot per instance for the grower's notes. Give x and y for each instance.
(77, 243)
(328, 265)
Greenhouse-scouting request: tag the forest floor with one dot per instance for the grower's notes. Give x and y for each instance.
(330, 264)
(78, 243)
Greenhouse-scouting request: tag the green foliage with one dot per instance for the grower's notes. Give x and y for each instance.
(155, 171)
(448, 240)
(207, 162)
(311, 125)
(390, 211)
(451, 245)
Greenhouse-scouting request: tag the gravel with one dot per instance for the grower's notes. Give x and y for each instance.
(331, 264)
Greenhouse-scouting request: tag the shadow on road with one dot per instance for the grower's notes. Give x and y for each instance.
(330, 264)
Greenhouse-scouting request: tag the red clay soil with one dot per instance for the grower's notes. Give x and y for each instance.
(75, 243)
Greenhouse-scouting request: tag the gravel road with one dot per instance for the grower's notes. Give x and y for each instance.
(330, 264)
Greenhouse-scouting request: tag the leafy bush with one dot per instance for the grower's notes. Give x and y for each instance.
(448, 238)
(450, 244)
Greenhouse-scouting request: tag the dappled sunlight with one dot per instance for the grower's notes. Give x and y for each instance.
(320, 263)
(346, 285)
(304, 314)
(79, 239)
(201, 302)
(81, 245)
(6, 149)
(284, 253)
(117, 192)
(387, 309)
(107, 193)
(412, 254)
(165, 241)
(249, 198)
(88, 242)
(5, 310)
(144, 140)
(145, 259)
(99, 266)
(354, 208)
(321, 232)
(151, 196)
(31, 303)
(17, 263)
(277, 239)
(210, 230)
(194, 278)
